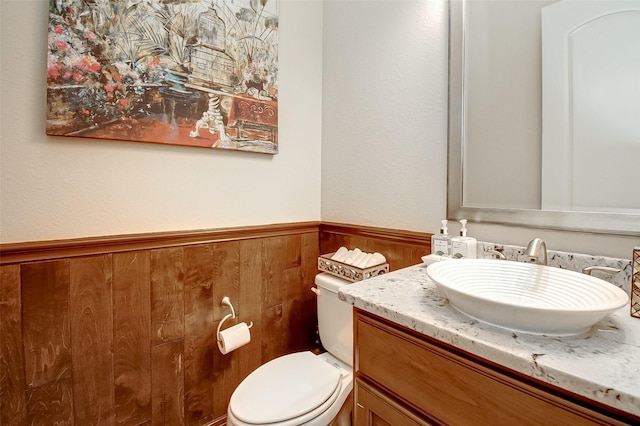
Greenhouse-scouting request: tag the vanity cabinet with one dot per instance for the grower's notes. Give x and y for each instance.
(405, 378)
(375, 408)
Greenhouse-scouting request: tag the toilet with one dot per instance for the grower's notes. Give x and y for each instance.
(303, 388)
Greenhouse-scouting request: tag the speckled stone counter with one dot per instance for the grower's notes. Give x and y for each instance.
(602, 365)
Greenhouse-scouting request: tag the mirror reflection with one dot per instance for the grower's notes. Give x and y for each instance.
(544, 100)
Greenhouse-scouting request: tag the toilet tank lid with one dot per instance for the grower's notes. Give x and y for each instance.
(330, 282)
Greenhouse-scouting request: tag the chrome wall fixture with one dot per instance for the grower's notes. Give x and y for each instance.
(232, 315)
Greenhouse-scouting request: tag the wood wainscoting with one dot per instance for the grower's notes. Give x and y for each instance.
(121, 330)
(401, 248)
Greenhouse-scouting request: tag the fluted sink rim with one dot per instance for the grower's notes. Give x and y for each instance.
(526, 297)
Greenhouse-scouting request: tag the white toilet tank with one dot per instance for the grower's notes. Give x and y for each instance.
(335, 318)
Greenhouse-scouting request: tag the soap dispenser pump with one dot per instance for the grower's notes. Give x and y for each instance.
(441, 243)
(463, 246)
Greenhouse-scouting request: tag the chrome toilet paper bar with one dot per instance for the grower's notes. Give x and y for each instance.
(227, 302)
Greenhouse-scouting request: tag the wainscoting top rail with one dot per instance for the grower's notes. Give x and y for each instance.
(393, 235)
(55, 249)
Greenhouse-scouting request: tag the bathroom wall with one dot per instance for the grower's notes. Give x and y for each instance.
(401, 248)
(384, 125)
(121, 330)
(126, 335)
(384, 113)
(94, 332)
(58, 188)
(367, 78)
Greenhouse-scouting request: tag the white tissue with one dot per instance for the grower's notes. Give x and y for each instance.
(234, 337)
(352, 256)
(362, 263)
(358, 259)
(340, 254)
(376, 259)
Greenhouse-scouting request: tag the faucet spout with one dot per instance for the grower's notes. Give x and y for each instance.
(537, 249)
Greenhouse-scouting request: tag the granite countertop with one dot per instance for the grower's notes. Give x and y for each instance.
(602, 365)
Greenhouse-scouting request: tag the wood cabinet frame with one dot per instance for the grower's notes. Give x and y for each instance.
(440, 384)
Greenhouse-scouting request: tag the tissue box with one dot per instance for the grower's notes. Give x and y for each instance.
(349, 272)
(635, 284)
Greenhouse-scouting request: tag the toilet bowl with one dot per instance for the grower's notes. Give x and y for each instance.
(296, 389)
(303, 388)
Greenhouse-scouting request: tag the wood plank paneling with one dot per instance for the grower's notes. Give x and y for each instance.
(292, 310)
(91, 315)
(51, 404)
(167, 384)
(227, 376)
(226, 282)
(330, 242)
(273, 339)
(13, 408)
(273, 260)
(132, 341)
(45, 320)
(226, 277)
(290, 256)
(401, 248)
(167, 304)
(199, 337)
(398, 255)
(250, 304)
(281, 260)
(308, 315)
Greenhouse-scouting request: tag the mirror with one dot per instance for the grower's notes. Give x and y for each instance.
(504, 166)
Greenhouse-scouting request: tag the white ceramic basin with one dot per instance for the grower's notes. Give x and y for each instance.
(526, 297)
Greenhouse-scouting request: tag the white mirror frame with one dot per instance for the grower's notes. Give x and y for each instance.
(607, 223)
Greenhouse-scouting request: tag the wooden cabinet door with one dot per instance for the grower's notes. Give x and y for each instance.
(454, 389)
(373, 408)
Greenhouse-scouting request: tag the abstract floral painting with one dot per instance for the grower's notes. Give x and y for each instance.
(198, 73)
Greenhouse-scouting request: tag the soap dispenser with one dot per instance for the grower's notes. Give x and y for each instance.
(441, 243)
(463, 246)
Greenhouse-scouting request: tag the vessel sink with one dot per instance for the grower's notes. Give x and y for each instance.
(526, 297)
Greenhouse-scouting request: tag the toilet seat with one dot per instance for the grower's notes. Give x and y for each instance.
(289, 390)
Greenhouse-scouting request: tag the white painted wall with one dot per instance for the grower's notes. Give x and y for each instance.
(377, 100)
(384, 113)
(57, 188)
(384, 125)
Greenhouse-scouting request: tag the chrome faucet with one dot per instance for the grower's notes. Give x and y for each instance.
(589, 269)
(537, 249)
(498, 254)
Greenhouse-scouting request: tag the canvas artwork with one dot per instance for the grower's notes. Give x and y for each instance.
(200, 73)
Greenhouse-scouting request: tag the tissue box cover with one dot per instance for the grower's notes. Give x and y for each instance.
(349, 272)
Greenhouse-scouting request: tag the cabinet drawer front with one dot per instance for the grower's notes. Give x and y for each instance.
(373, 408)
(453, 389)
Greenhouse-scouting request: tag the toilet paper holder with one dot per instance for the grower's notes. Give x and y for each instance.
(227, 302)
